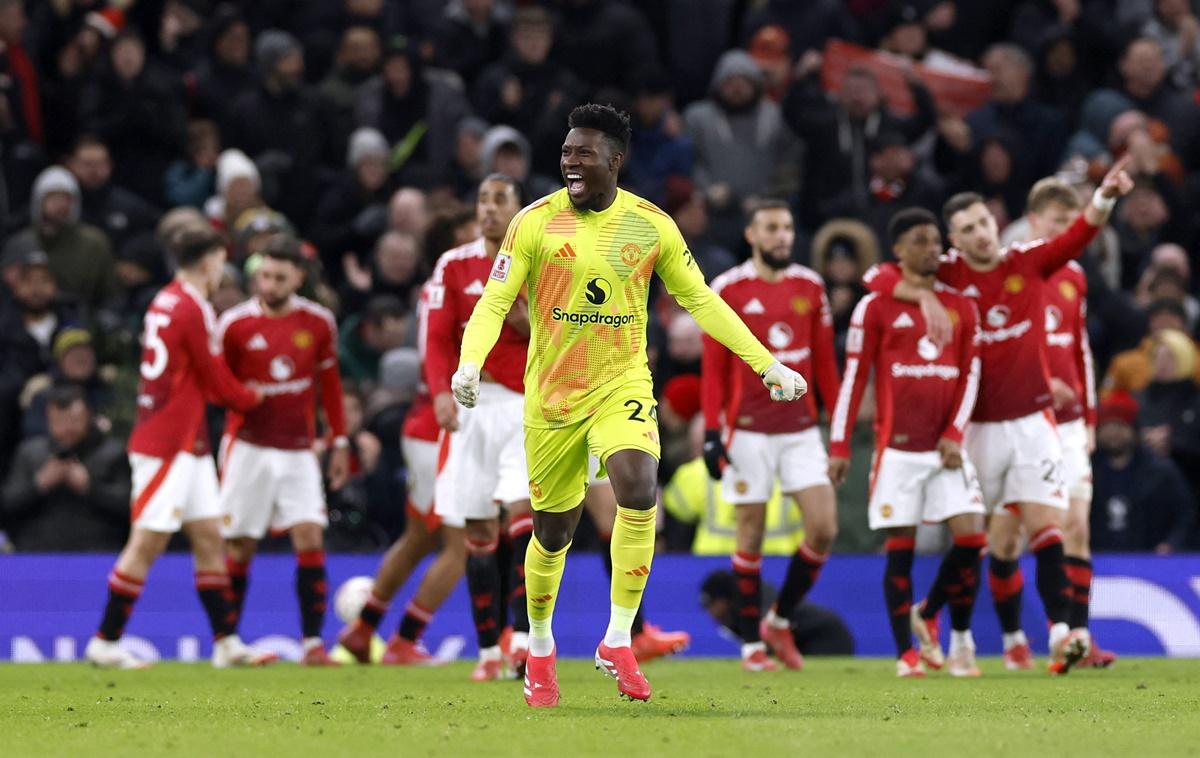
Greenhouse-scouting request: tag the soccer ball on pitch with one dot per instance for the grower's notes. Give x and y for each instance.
(350, 598)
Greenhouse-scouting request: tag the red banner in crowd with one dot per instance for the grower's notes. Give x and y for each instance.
(956, 92)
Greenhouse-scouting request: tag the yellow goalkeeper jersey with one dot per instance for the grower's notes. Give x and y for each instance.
(588, 276)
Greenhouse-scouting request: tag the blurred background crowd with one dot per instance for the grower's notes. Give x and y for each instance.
(359, 129)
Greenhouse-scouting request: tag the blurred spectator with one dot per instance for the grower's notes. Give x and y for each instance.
(452, 226)
(239, 188)
(1142, 222)
(769, 49)
(1169, 415)
(604, 43)
(22, 128)
(1175, 28)
(66, 76)
(395, 270)
(688, 206)
(253, 229)
(1131, 370)
(842, 251)
(281, 126)
(68, 490)
(684, 347)
(358, 59)
(75, 364)
(742, 146)
(1172, 258)
(992, 168)
(471, 35)
(1035, 134)
(349, 523)
(1143, 81)
(365, 337)
(80, 255)
(1141, 500)
(417, 110)
(467, 169)
(658, 149)
(809, 25)
(138, 112)
(838, 132)
(114, 210)
(180, 41)
(193, 180)
(226, 75)
(505, 150)
(354, 201)
(894, 183)
(29, 321)
(528, 92)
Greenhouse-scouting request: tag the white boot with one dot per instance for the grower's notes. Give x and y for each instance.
(110, 655)
(230, 652)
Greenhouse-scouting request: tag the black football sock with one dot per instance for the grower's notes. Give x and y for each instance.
(123, 593)
(802, 573)
(1006, 582)
(213, 588)
(311, 588)
(483, 581)
(1079, 572)
(239, 581)
(414, 621)
(962, 585)
(747, 569)
(1052, 583)
(520, 531)
(897, 589)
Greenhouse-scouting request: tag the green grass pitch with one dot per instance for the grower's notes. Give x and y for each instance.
(841, 706)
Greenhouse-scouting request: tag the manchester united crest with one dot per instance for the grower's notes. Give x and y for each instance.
(1014, 283)
(801, 305)
(302, 339)
(631, 254)
(1068, 290)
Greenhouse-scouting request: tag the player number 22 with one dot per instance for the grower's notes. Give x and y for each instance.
(153, 368)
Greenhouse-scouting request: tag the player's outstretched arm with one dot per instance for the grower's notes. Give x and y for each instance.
(1070, 244)
(686, 284)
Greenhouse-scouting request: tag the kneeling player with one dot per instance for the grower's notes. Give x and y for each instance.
(174, 477)
(270, 476)
(924, 397)
(784, 304)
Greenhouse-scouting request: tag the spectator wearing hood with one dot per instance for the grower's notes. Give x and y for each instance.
(239, 188)
(139, 113)
(742, 145)
(280, 125)
(114, 210)
(416, 110)
(472, 33)
(344, 217)
(75, 363)
(226, 74)
(505, 150)
(69, 489)
(838, 131)
(80, 256)
(1141, 499)
(658, 148)
(529, 92)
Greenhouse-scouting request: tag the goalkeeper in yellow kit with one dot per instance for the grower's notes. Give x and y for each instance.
(587, 253)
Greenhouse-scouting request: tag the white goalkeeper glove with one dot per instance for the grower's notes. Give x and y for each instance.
(785, 384)
(465, 385)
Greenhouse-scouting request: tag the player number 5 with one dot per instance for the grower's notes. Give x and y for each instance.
(154, 368)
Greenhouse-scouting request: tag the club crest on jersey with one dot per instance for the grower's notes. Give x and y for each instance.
(801, 305)
(302, 339)
(281, 368)
(1014, 283)
(1053, 318)
(631, 254)
(535, 489)
(997, 316)
(1068, 290)
(928, 349)
(779, 335)
(501, 267)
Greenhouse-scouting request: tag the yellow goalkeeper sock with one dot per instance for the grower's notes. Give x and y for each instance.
(632, 553)
(543, 574)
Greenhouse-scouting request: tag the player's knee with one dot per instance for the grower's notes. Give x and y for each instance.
(483, 531)
(553, 536)
(1076, 533)
(1005, 546)
(307, 537)
(820, 537)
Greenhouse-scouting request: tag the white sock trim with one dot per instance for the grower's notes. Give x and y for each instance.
(620, 622)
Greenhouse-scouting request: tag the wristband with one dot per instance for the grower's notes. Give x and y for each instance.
(1102, 203)
(341, 443)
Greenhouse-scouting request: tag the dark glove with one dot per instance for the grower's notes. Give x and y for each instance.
(715, 457)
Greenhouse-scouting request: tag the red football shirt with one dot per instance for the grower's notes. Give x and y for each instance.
(1011, 303)
(181, 369)
(420, 423)
(451, 294)
(922, 392)
(792, 318)
(1068, 353)
(288, 356)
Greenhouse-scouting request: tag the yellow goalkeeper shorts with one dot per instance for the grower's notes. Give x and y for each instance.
(558, 457)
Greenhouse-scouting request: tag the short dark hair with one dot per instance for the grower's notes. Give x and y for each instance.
(614, 124)
(382, 307)
(907, 219)
(64, 395)
(1167, 305)
(283, 247)
(959, 202)
(518, 190)
(759, 204)
(192, 243)
(87, 139)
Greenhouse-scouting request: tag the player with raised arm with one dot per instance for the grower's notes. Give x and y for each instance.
(270, 475)
(1012, 439)
(587, 254)
(1051, 206)
(749, 446)
(924, 398)
(174, 476)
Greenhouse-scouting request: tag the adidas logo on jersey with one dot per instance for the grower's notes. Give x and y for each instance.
(257, 342)
(754, 306)
(902, 321)
(971, 291)
(474, 288)
(566, 251)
